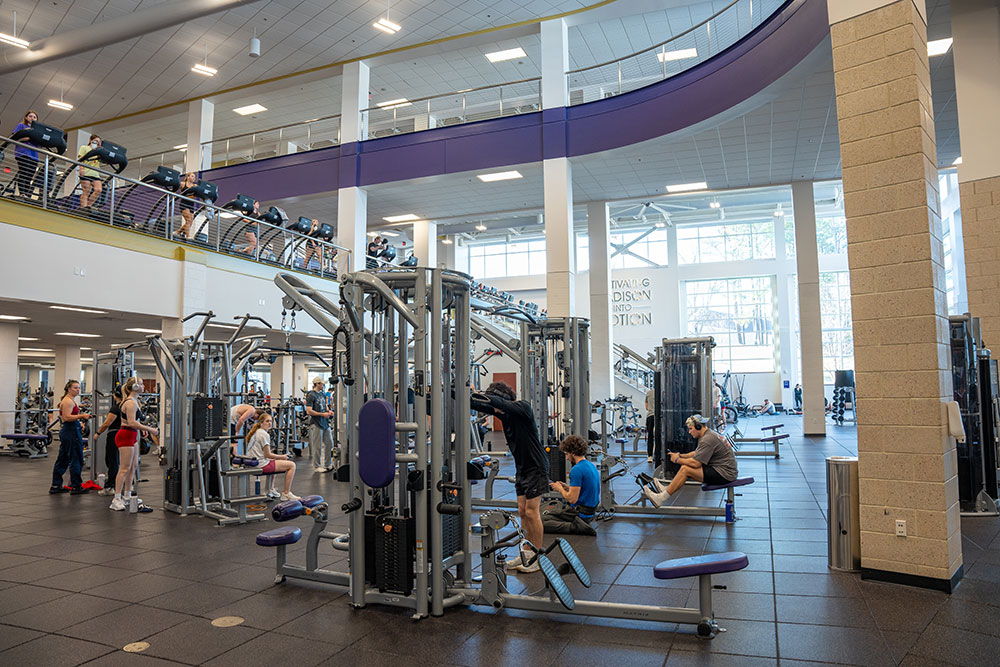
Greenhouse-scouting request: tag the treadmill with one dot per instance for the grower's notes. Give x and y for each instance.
(163, 177)
(42, 136)
(243, 204)
(110, 155)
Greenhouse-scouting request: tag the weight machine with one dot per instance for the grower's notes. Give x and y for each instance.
(198, 377)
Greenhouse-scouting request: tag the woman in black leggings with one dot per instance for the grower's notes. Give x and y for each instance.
(26, 158)
(111, 424)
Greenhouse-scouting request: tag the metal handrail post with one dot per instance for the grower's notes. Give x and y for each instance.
(45, 184)
(501, 103)
(111, 203)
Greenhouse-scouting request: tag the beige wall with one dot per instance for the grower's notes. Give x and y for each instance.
(907, 460)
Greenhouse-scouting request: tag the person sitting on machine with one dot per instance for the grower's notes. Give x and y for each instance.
(90, 178)
(530, 462)
(767, 408)
(259, 449)
(583, 492)
(712, 462)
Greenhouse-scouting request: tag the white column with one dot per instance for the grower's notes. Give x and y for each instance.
(447, 253)
(282, 379)
(786, 347)
(461, 254)
(8, 374)
(67, 366)
(602, 381)
(352, 224)
(88, 377)
(75, 141)
(975, 28)
(353, 99)
(201, 119)
(555, 62)
(425, 243)
(810, 318)
(300, 378)
(560, 250)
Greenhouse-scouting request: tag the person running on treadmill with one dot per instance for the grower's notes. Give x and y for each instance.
(530, 462)
(26, 158)
(712, 462)
(90, 178)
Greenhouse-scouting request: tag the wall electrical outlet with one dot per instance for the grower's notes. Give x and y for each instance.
(900, 528)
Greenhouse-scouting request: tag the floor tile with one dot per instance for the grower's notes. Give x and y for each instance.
(828, 643)
(125, 625)
(196, 641)
(60, 613)
(49, 650)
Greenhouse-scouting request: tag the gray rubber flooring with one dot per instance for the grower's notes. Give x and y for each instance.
(79, 582)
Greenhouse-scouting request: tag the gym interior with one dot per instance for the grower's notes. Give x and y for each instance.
(470, 333)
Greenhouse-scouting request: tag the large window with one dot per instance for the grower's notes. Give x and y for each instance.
(498, 260)
(700, 244)
(629, 250)
(739, 314)
(835, 313)
(831, 233)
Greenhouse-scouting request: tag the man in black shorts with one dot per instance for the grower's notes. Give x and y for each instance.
(712, 462)
(530, 462)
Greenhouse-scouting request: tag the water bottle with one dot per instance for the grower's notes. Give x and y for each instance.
(133, 504)
(100, 479)
(256, 486)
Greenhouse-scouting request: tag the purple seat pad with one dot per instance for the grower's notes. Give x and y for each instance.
(739, 481)
(278, 536)
(692, 566)
(24, 436)
(377, 443)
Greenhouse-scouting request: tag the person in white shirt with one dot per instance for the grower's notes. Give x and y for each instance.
(259, 448)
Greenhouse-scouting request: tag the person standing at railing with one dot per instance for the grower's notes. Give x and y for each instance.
(252, 228)
(90, 178)
(375, 249)
(312, 245)
(26, 158)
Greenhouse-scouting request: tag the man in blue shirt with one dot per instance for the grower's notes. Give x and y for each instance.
(584, 489)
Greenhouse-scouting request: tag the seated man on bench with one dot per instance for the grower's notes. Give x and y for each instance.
(712, 462)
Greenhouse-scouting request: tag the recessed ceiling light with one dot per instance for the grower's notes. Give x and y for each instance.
(687, 187)
(180, 147)
(77, 335)
(86, 348)
(938, 47)
(391, 235)
(204, 69)
(320, 347)
(405, 217)
(12, 318)
(394, 104)
(35, 349)
(387, 26)
(249, 109)
(25, 338)
(957, 161)
(80, 310)
(146, 331)
(509, 54)
(682, 54)
(446, 241)
(499, 176)
(59, 104)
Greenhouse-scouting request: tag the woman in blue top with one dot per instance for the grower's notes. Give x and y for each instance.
(27, 159)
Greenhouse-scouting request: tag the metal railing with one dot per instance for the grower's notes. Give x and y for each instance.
(631, 367)
(510, 98)
(674, 55)
(139, 206)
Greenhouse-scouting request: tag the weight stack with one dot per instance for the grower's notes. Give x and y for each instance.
(451, 530)
(395, 553)
(557, 463)
(209, 418)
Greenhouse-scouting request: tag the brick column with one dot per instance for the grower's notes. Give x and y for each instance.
(907, 459)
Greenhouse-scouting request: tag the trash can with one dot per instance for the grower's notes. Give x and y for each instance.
(843, 513)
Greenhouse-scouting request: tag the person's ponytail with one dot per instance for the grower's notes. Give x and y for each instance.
(66, 388)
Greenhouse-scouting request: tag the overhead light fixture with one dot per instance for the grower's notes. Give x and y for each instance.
(394, 104)
(715, 204)
(319, 337)
(957, 161)
(181, 147)
(391, 235)
(250, 108)
(508, 54)
(145, 331)
(372, 235)
(12, 38)
(203, 68)
(12, 318)
(659, 224)
(26, 338)
(778, 212)
(499, 176)
(481, 227)
(405, 217)
(77, 335)
(254, 45)
(938, 47)
(35, 349)
(59, 104)
(681, 54)
(320, 347)
(387, 26)
(687, 187)
(446, 240)
(86, 348)
(80, 310)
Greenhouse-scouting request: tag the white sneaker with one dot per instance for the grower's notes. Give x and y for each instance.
(649, 459)
(321, 469)
(106, 492)
(655, 497)
(273, 494)
(288, 496)
(534, 567)
(661, 485)
(117, 505)
(515, 563)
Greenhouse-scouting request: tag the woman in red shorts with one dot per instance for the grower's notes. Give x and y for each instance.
(259, 448)
(127, 441)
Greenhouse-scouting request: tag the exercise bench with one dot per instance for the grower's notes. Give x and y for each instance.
(770, 443)
(30, 445)
(702, 567)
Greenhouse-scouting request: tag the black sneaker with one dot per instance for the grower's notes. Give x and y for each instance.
(57, 489)
(78, 491)
(144, 509)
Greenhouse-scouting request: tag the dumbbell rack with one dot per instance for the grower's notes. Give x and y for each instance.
(843, 403)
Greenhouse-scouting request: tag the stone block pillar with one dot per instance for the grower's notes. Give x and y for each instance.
(907, 458)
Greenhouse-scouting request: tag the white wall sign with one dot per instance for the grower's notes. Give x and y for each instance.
(632, 302)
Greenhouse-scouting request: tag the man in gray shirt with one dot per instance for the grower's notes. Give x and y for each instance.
(320, 434)
(712, 462)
